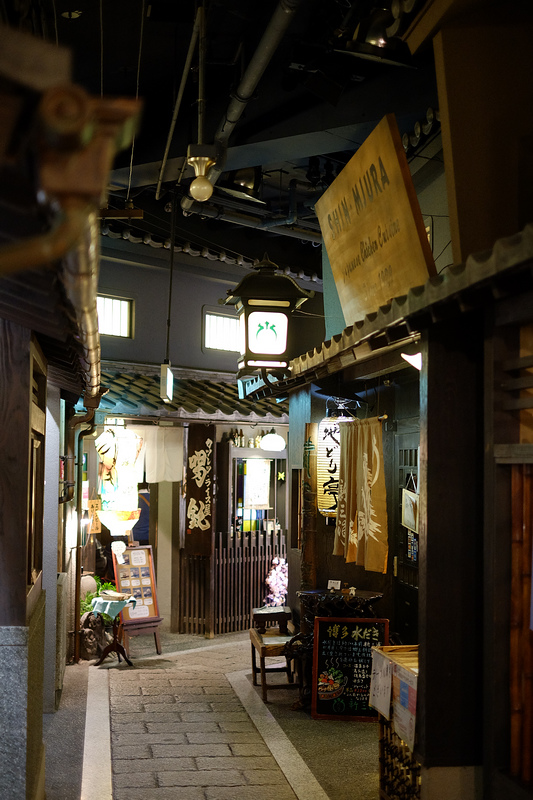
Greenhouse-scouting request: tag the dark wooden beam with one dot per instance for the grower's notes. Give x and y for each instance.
(15, 402)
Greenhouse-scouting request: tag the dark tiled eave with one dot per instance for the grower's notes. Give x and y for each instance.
(137, 394)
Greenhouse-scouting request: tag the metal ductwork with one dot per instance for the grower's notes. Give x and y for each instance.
(247, 221)
(80, 277)
(274, 33)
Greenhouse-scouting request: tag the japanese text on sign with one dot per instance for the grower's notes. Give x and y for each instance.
(199, 511)
(342, 665)
(328, 459)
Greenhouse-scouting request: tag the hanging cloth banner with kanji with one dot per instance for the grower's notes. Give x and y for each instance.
(200, 475)
(361, 534)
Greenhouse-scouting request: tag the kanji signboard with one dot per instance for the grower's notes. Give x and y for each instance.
(199, 521)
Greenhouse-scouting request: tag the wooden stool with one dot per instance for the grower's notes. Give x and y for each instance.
(269, 645)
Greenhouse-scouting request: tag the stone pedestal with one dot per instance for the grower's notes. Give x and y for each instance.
(21, 709)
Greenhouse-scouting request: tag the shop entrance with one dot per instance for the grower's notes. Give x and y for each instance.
(405, 536)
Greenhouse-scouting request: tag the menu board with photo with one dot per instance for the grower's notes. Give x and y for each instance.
(135, 576)
(342, 666)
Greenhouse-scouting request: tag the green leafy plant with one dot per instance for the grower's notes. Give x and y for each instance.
(86, 601)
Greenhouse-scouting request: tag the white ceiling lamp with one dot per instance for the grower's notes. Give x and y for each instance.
(273, 442)
(415, 360)
(201, 157)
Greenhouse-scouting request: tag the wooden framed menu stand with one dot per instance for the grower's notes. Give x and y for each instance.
(136, 576)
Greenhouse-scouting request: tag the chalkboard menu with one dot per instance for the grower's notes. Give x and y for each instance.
(342, 666)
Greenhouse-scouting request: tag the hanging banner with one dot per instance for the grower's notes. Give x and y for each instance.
(372, 226)
(199, 530)
(121, 468)
(361, 534)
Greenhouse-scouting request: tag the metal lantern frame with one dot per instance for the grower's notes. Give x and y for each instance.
(264, 300)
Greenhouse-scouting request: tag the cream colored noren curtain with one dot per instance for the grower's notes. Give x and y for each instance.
(361, 534)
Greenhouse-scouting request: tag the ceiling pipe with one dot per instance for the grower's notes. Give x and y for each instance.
(276, 226)
(80, 278)
(274, 33)
(179, 98)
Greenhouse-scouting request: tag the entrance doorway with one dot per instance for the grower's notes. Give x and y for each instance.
(405, 539)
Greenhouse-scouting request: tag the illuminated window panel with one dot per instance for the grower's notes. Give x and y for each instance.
(115, 316)
(222, 333)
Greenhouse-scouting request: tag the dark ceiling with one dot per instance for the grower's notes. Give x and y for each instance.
(320, 93)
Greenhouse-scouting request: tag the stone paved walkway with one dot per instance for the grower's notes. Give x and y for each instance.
(178, 725)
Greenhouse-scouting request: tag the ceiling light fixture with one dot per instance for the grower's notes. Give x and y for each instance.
(201, 157)
(272, 441)
(264, 300)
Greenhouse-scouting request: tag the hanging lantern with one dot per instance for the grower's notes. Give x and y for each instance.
(264, 300)
(328, 461)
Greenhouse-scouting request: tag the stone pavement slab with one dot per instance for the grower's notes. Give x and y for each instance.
(181, 731)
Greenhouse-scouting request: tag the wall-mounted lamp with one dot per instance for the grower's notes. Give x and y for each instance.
(415, 360)
(166, 386)
(264, 300)
(201, 157)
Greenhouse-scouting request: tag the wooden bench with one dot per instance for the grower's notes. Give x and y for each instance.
(271, 644)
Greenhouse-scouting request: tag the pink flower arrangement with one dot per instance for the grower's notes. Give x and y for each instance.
(277, 581)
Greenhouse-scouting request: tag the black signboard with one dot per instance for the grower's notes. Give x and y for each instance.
(342, 666)
(199, 531)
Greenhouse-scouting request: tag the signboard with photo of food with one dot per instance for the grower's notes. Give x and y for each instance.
(342, 666)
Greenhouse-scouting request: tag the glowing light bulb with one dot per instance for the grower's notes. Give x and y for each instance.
(201, 189)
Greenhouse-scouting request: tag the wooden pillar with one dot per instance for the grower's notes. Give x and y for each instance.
(309, 508)
(449, 703)
(486, 111)
(15, 415)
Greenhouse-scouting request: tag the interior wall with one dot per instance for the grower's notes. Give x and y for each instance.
(50, 542)
(164, 551)
(148, 286)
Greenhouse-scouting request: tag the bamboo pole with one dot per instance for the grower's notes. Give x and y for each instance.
(516, 620)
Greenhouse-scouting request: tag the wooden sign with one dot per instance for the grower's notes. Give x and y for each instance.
(199, 531)
(136, 576)
(372, 226)
(342, 666)
(95, 506)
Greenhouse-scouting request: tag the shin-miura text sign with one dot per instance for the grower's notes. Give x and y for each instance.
(372, 226)
(200, 472)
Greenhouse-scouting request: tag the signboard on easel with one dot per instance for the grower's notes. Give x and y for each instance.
(342, 666)
(136, 576)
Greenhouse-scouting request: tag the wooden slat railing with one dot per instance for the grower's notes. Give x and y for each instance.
(241, 563)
